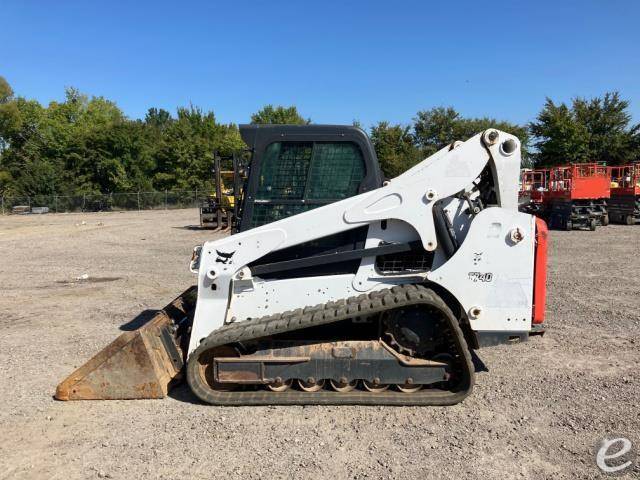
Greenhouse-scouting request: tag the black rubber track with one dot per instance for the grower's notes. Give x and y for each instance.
(366, 304)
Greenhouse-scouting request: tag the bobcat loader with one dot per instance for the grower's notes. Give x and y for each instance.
(376, 298)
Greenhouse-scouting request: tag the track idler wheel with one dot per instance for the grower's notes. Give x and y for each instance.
(206, 365)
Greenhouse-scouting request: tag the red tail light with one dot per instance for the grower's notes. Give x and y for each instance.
(540, 272)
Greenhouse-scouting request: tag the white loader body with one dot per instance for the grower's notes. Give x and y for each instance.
(491, 274)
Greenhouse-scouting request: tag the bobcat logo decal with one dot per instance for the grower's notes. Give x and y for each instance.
(223, 257)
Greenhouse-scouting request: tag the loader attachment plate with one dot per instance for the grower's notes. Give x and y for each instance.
(143, 363)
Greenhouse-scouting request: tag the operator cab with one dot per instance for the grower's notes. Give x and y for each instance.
(296, 168)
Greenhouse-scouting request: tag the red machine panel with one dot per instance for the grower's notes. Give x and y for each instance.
(625, 180)
(540, 272)
(534, 184)
(581, 181)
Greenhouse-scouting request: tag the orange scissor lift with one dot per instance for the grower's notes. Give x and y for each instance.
(624, 205)
(577, 196)
(533, 186)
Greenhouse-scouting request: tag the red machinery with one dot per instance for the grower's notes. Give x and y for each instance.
(533, 186)
(624, 205)
(577, 196)
(568, 196)
(582, 181)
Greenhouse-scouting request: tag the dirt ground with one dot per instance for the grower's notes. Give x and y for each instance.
(538, 413)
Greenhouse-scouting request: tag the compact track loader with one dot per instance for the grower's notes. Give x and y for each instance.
(375, 298)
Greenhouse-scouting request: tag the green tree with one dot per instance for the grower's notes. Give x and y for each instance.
(86, 145)
(19, 152)
(184, 159)
(608, 124)
(279, 115)
(70, 147)
(558, 137)
(435, 128)
(438, 127)
(591, 130)
(6, 92)
(158, 118)
(9, 114)
(395, 148)
(78, 137)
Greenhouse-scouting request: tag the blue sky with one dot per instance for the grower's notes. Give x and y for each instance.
(336, 60)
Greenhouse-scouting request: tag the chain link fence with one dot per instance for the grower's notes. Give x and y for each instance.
(108, 202)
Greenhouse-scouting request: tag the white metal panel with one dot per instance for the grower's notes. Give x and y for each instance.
(492, 273)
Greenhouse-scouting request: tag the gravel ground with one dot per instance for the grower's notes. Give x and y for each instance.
(538, 413)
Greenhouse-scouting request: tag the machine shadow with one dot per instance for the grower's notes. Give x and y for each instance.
(138, 321)
(191, 228)
(183, 393)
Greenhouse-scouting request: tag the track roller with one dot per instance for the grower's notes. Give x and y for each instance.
(374, 387)
(311, 385)
(280, 386)
(343, 385)
(408, 388)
